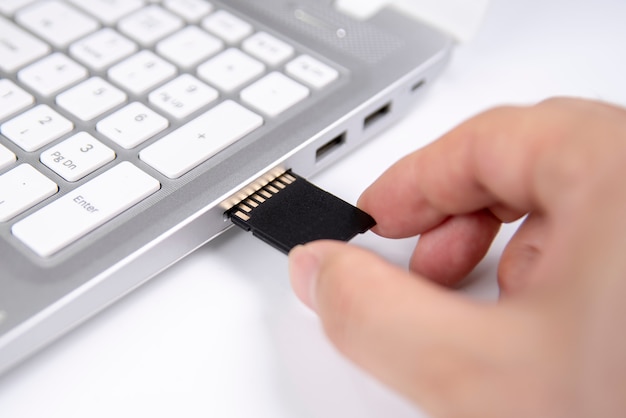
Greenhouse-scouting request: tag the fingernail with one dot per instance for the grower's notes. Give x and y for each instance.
(304, 268)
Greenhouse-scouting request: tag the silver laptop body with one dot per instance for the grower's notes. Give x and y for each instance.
(377, 68)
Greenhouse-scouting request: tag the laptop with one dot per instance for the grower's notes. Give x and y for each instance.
(129, 128)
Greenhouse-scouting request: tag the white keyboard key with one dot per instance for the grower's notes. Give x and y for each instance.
(91, 98)
(192, 144)
(85, 208)
(7, 157)
(51, 74)
(189, 46)
(227, 26)
(311, 71)
(230, 69)
(190, 10)
(36, 127)
(18, 47)
(267, 48)
(12, 98)
(77, 156)
(103, 48)
(56, 22)
(108, 11)
(8, 7)
(150, 24)
(141, 72)
(22, 188)
(182, 96)
(274, 93)
(132, 125)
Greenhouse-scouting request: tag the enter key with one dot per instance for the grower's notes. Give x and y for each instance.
(82, 210)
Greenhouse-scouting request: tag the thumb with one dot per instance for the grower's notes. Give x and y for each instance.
(425, 341)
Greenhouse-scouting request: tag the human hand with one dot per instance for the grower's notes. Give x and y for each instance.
(554, 345)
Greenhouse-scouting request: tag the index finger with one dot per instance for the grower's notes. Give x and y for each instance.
(490, 161)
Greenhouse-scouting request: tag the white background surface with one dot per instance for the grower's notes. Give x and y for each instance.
(221, 335)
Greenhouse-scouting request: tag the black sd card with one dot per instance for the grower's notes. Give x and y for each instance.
(289, 211)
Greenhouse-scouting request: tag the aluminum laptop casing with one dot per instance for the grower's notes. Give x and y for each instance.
(384, 62)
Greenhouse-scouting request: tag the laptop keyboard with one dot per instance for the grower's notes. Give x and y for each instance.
(168, 83)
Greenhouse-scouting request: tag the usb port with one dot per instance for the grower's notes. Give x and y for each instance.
(376, 116)
(329, 146)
